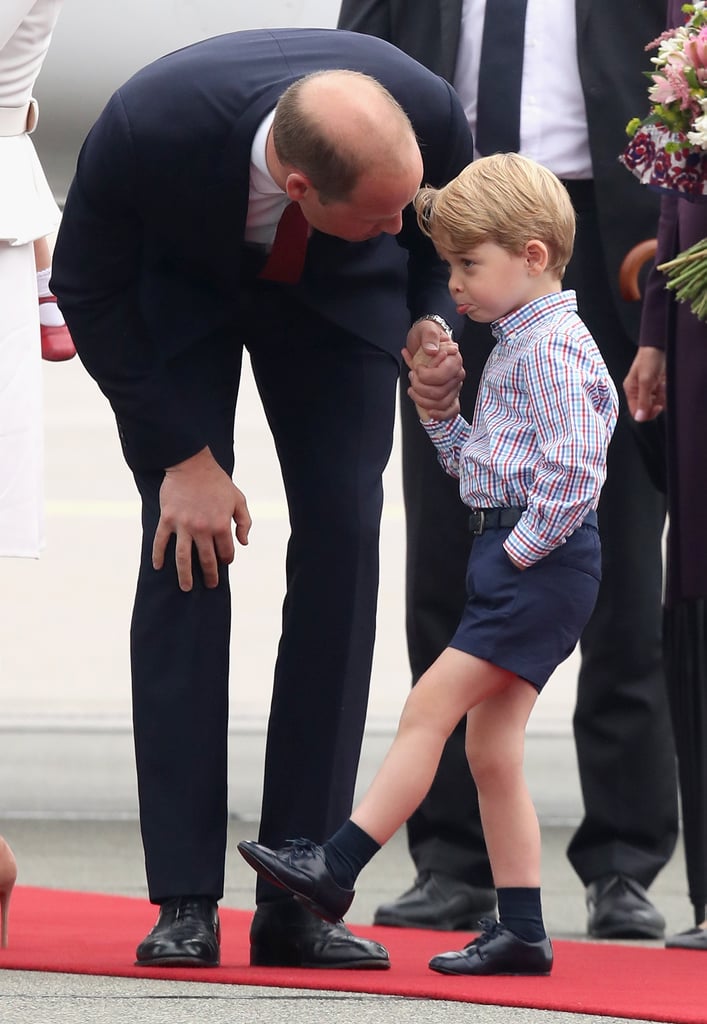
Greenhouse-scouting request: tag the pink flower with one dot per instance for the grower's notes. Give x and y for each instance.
(695, 51)
(662, 91)
(675, 87)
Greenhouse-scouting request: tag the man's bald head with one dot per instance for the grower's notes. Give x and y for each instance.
(335, 125)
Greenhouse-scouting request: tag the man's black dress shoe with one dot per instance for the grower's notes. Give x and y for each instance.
(300, 868)
(187, 934)
(497, 951)
(285, 934)
(438, 902)
(619, 908)
(693, 938)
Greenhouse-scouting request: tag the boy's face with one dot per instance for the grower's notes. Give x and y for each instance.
(487, 282)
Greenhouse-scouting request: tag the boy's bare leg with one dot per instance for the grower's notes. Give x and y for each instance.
(452, 686)
(495, 744)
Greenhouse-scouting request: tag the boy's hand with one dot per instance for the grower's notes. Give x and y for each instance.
(436, 371)
(423, 357)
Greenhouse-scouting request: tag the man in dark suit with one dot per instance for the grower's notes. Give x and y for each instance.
(581, 84)
(165, 268)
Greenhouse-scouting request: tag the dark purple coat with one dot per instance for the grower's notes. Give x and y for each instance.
(669, 324)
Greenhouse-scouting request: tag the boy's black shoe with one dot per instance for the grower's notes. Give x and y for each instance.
(300, 868)
(497, 951)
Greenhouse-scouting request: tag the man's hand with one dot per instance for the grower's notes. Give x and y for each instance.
(644, 385)
(198, 502)
(436, 371)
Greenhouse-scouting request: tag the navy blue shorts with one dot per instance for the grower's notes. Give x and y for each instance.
(528, 621)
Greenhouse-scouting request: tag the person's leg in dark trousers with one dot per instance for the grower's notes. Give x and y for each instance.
(180, 653)
(454, 886)
(330, 402)
(622, 728)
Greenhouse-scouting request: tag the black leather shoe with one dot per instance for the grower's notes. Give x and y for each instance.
(619, 908)
(438, 902)
(187, 934)
(300, 868)
(694, 938)
(285, 934)
(497, 951)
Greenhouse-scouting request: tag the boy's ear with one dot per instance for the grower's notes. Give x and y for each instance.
(537, 256)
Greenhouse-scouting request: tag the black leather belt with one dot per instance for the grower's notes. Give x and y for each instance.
(497, 518)
(493, 519)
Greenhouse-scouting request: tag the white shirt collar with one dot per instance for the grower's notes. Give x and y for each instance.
(266, 200)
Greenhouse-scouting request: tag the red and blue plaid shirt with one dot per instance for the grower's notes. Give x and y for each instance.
(543, 421)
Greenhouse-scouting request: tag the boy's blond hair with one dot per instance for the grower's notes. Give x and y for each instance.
(507, 199)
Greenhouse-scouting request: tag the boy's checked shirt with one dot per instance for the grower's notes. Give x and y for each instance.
(544, 417)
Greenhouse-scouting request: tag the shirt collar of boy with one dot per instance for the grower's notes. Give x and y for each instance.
(508, 327)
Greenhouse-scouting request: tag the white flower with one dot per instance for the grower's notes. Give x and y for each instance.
(698, 136)
(673, 46)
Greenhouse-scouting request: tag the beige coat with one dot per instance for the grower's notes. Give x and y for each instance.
(27, 212)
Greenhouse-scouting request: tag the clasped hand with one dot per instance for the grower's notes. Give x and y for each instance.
(436, 371)
(198, 503)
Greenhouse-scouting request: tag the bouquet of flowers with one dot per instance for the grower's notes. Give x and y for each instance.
(668, 149)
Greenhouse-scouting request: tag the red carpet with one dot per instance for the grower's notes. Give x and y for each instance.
(84, 933)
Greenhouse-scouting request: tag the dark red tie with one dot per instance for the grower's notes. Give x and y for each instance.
(286, 260)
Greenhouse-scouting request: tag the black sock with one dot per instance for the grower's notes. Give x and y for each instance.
(521, 912)
(347, 853)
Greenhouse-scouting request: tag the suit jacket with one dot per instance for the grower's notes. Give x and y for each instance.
(147, 261)
(611, 36)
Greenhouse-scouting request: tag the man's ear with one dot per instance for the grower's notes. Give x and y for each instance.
(537, 256)
(297, 186)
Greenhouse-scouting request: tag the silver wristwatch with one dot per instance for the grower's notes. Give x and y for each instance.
(438, 320)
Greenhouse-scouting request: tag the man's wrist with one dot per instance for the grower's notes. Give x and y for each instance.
(439, 320)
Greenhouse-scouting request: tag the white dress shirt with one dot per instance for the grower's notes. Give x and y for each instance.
(266, 200)
(553, 120)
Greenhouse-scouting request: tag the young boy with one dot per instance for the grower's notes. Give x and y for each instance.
(530, 468)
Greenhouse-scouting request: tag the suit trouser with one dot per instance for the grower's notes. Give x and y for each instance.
(621, 723)
(329, 399)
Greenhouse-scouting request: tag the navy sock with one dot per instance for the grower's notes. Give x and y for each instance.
(521, 912)
(347, 853)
